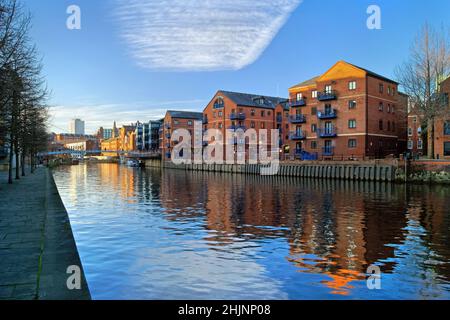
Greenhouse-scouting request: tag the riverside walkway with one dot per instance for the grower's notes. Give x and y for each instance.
(36, 241)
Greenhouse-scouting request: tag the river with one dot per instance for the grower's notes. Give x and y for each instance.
(153, 234)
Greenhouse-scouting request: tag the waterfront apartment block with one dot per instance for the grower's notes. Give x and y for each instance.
(175, 120)
(233, 111)
(347, 113)
(147, 136)
(442, 126)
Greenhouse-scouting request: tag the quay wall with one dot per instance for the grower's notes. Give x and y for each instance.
(357, 171)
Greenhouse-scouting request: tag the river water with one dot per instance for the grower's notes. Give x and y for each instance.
(152, 234)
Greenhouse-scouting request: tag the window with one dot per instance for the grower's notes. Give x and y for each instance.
(446, 149)
(381, 106)
(220, 125)
(189, 123)
(220, 114)
(263, 125)
(381, 88)
(389, 108)
(410, 131)
(389, 91)
(352, 143)
(420, 144)
(352, 124)
(253, 112)
(314, 93)
(352, 104)
(328, 89)
(314, 128)
(313, 111)
(268, 113)
(313, 144)
(262, 113)
(252, 124)
(299, 96)
(447, 128)
(352, 85)
(380, 124)
(410, 144)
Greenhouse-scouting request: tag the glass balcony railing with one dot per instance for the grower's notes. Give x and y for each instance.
(237, 116)
(297, 135)
(327, 132)
(297, 103)
(327, 95)
(237, 127)
(297, 118)
(219, 105)
(327, 114)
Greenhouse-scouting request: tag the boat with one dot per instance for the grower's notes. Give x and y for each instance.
(132, 163)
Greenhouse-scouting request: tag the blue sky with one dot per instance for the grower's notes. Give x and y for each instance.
(134, 59)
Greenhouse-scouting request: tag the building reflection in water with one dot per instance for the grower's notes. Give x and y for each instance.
(334, 228)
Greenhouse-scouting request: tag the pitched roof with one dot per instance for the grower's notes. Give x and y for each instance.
(373, 74)
(309, 82)
(186, 114)
(251, 100)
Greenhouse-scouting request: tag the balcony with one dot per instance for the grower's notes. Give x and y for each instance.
(237, 127)
(297, 135)
(327, 132)
(328, 151)
(205, 120)
(168, 135)
(297, 118)
(237, 116)
(327, 95)
(327, 114)
(218, 105)
(297, 103)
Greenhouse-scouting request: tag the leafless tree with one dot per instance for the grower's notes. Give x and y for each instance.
(427, 66)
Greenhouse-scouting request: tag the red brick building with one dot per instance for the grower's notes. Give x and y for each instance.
(347, 113)
(442, 126)
(176, 120)
(234, 110)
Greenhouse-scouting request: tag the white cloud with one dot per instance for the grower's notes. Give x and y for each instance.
(104, 115)
(193, 35)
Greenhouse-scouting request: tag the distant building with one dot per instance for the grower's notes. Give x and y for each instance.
(104, 134)
(147, 136)
(125, 141)
(417, 145)
(76, 126)
(88, 145)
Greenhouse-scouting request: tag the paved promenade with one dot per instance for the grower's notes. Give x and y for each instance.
(36, 241)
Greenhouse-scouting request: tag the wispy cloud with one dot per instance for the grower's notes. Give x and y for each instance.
(104, 115)
(192, 35)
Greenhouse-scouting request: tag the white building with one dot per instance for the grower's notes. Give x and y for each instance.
(76, 126)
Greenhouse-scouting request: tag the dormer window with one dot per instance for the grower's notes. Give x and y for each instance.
(219, 104)
(259, 100)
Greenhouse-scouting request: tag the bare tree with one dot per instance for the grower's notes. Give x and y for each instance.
(427, 66)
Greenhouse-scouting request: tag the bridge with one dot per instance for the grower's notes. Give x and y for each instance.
(83, 153)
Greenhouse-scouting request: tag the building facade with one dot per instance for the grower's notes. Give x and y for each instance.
(234, 110)
(125, 141)
(347, 113)
(416, 135)
(76, 126)
(147, 136)
(175, 120)
(442, 126)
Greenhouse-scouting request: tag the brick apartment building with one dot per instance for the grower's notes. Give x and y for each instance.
(347, 113)
(172, 121)
(416, 137)
(233, 110)
(122, 141)
(442, 126)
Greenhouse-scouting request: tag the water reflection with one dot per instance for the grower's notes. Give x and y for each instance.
(177, 234)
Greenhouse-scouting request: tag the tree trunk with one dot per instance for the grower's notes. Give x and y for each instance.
(10, 171)
(23, 164)
(17, 164)
(430, 139)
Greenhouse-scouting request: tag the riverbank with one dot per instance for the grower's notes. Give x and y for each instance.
(36, 241)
